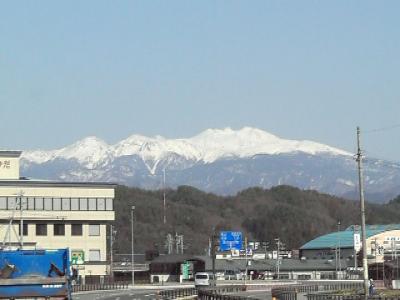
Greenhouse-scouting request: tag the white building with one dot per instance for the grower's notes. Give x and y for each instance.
(56, 215)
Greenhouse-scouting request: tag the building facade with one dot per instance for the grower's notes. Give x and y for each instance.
(56, 215)
(381, 241)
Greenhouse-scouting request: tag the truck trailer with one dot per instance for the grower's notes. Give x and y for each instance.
(35, 274)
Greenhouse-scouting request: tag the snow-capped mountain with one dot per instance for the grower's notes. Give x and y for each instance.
(217, 160)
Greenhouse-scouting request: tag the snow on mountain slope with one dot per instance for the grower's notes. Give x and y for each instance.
(215, 144)
(208, 146)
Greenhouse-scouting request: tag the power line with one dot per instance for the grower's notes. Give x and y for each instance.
(383, 128)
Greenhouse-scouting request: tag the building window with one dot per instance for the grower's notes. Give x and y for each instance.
(56, 203)
(41, 229)
(94, 255)
(101, 204)
(11, 203)
(74, 203)
(31, 203)
(83, 205)
(48, 204)
(66, 204)
(3, 202)
(38, 203)
(92, 204)
(76, 229)
(25, 231)
(94, 229)
(59, 229)
(24, 202)
(109, 204)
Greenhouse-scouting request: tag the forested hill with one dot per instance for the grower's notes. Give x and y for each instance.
(294, 215)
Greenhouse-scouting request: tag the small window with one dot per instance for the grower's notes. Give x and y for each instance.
(94, 255)
(3, 202)
(59, 229)
(92, 204)
(74, 203)
(76, 229)
(94, 229)
(38, 203)
(56, 203)
(41, 229)
(31, 203)
(48, 204)
(83, 204)
(11, 203)
(66, 204)
(24, 202)
(109, 204)
(25, 229)
(101, 204)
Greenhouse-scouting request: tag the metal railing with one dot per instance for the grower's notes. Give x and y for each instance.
(214, 293)
(291, 292)
(325, 296)
(177, 293)
(95, 287)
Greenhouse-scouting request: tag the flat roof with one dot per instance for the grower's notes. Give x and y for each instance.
(10, 153)
(48, 183)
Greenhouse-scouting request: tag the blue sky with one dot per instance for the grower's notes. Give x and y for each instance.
(298, 69)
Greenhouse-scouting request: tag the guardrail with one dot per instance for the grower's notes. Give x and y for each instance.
(349, 297)
(214, 293)
(291, 292)
(220, 293)
(177, 293)
(95, 287)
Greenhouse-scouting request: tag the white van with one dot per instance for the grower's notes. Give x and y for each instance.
(202, 279)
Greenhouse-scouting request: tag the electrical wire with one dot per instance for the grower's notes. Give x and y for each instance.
(382, 128)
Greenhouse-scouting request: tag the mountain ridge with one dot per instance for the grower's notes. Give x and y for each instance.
(222, 161)
(208, 146)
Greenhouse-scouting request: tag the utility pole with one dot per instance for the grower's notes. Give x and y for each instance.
(247, 262)
(181, 240)
(340, 263)
(169, 243)
(164, 206)
(213, 255)
(21, 230)
(111, 252)
(133, 249)
(278, 243)
(362, 209)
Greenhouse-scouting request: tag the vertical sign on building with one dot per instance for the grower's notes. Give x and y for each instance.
(357, 241)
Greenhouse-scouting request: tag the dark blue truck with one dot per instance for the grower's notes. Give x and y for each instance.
(38, 274)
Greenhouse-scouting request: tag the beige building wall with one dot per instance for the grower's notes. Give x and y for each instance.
(87, 243)
(385, 242)
(9, 165)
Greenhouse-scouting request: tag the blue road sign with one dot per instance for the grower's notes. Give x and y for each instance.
(229, 240)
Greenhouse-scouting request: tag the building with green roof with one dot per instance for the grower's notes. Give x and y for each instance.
(381, 239)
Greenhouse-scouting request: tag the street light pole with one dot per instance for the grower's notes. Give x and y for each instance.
(133, 249)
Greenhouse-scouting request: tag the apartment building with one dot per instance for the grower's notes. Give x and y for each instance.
(55, 215)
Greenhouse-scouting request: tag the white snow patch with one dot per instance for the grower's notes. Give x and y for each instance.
(208, 146)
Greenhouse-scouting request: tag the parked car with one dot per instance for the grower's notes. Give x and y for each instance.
(202, 279)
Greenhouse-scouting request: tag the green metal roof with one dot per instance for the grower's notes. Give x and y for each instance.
(345, 238)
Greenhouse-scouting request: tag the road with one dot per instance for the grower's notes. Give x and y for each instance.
(131, 294)
(146, 294)
(262, 295)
